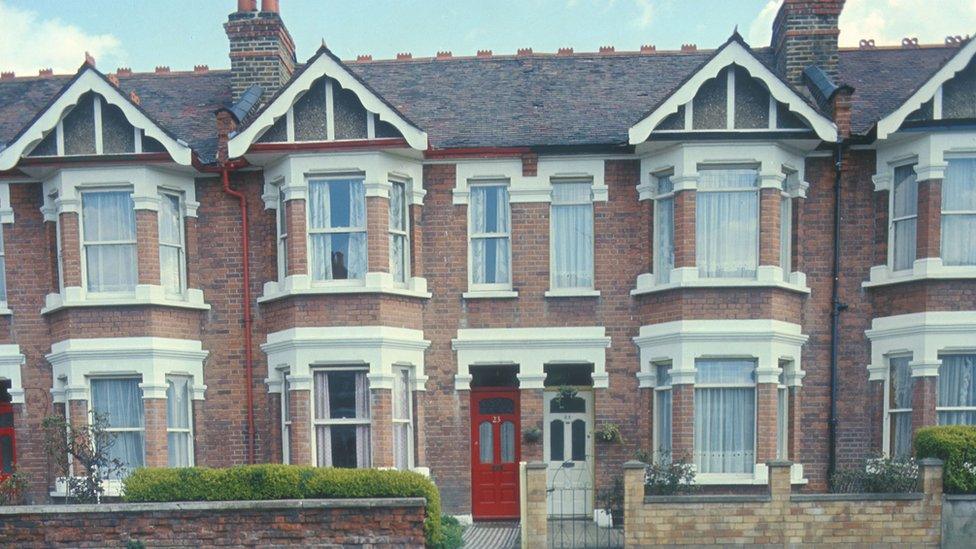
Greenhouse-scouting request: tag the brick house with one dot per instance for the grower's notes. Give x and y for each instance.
(455, 264)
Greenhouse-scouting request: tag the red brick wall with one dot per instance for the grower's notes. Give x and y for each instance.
(684, 229)
(156, 440)
(769, 226)
(381, 427)
(766, 402)
(342, 310)
(682, 421)
(720, 304)
(147, 246)
(929, 225)
(300, 448)
(297, 242)
(130, 321)
(924, 295)
(924, 391)
(378, 233)
(70, 249)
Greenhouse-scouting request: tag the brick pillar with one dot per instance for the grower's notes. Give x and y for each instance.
(416, 240)
(929, 228)
(795, 431)
(766, 401)
(70, 249)
(649, 208)
(531, 406)
(301, 427)
(769, 226)
(78, 418)
(155, 438)
(147, 246)
(535, 529)
(419, 428)
(52, 242)
(192, 253)
(924, 391)
(684, 229)
(780, 484)
(796, 259)
(297, 243)
(381, 427)
(683, 422)
(199, 433)
(634, 472)
(931, 477)
(530, 164)
(881, 227)
(378, 234)
(274, 407)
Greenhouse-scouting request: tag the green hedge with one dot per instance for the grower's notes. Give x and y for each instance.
(956, 446)
(273, 481)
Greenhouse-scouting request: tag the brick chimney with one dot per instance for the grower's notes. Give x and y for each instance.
(262, 51)
(805, 33)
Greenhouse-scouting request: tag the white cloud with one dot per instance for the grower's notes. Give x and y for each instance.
(29, 42)
(645, 13)
(761, 29)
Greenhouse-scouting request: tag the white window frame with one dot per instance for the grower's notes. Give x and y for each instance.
(658, 389)
(84, 244)
(498, 286)
(552, 240)
(892, 220)
(404, 233)
(314, 369)
(660, 276)
(91, 410)
(309, 231)
(944, 213)
(783, 407)
(3, 269)
(281, 231)
(181, 248)
(755, 408)
(409, 421)
(755, 190)
(285, 410)
(786, 226)
(888, 439)
(191, 461)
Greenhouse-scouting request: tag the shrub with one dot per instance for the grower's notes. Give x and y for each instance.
(452, 533)
(955, 445)
(13, 488)
(878, 476)
(669, 477)
(89, 447)
(275, 481)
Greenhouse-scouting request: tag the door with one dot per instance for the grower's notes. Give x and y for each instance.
(568, 449)
(495, 452)
(7, 443)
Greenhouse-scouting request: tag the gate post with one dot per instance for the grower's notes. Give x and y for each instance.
(635, 473)
(535, 527)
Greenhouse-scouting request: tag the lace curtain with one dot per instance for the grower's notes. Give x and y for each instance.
(398, 232)
(490, 234)
(120, 402)
(337, 229)
(662, 414)
(957, 389)
(727, 223)
(171, 243)
(725, 416)
(904, 216)
(109, 220)
(342, 419)
(959, 213)
(572, 235)
(900, 407)
(402, 418)
(178, 431)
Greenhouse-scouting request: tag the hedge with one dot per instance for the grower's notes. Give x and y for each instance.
(274, 481)
(956, 446)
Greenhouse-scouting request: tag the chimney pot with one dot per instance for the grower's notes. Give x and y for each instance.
(7, 75)
(89, 60)
(111, 78)
(201, 68)
(364, 57)
(45, 72)
(689, 47)
(162, 69)
(648, 48)
(124, 71)
(909, 42)
(524, 51)
(247, 5)
(805, 33)
(606, 49)
(443, 54)
(404, 56)
(270, 6)
(484, 53)
(134, 97)
(564, 51)
(866, 44)
(262, 51)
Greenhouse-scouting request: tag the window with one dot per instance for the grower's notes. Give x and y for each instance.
(119, 402)
(490, 237)
(786, 225)
(899, 406)
(285, 417)
(904, 214)
(725, 415)
(572, 235)
(109, 240)
(179, 418)
(959, 213)
(52, 198)
(282, 234)
(337, 228)
(402, 419)
(8, 455)
(172, 260)
(957, 390)
(662, 413)
(783, 413)
(664, 229)
(341, 418)
(727, 222)
(399, 235)
(3, 269)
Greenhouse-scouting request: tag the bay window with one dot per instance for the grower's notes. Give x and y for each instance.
(402, 419)
(664, 229)
(725, 415)
(109, 240)
(959, 213)
(662, 413)
(282, 239)
(904, 217)
(727, 222)
(179, 417)
(399, 235)
(341, 419)
(957, 390)
(337, 228)
(572, 235)
(490, 237)
(119, 402)
(899, 405)
(172, 258)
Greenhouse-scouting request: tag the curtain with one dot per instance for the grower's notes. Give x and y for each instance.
(957, 388)
(323, 435)
(490, 215)
(171, 243)
(572, 234)
(341, 444)
(120, 402)
(727, 224)
(401, 417)
(782, 422)
(903, 214)
(178, 421)
(662, 414)
(398, 241)
(110, 232)
(664, 231)
(337, 204)
(725, 416)
(959, 228)
(900, 398)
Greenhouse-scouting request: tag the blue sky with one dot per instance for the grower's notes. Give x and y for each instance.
(141, 34)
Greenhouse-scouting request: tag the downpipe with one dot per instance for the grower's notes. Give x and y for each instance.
(836, 308)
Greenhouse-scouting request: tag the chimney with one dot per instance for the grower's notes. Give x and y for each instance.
(805, 33)
(262, 51)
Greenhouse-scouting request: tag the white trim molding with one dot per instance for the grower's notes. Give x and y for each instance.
(6, 208)
(324, 64)
(379, 347)
(146, 183)
(531, 349)
(734, 52)
(922, 335)
(144, 294)
(530, 188)
(75, 361)
(91, 80)
(11, 360)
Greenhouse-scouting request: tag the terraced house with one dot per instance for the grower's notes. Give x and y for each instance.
(455, 264)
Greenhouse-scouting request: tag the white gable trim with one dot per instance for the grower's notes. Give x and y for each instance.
(932, 88)
(90, 81)
(324, 65)
(734, 53)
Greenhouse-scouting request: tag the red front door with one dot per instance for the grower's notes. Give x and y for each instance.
(7, 446)
(495, 452)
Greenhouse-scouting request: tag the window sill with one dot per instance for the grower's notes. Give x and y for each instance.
(112, 488)
(490, 294)
(375, 283)
(4, 310)
(930, 268)
(768, 276)
(759, 477)
(572, 293)
(145, 294)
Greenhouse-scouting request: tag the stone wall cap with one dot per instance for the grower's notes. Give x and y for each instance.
(634, 464)
(757, 498)
(931, 462)
(351, 503)
(535, 465)
(911, 496)
(779, 463)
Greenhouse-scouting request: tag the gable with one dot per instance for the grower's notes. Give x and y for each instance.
(733, 91)
(90, 116)
(326, 102)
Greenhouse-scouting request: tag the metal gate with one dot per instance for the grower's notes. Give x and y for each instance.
(573, 516)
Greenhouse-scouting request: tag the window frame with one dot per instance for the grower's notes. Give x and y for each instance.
(783, 407)
(281, 232)
(961, 213)
(285, 410)
(660, 277)
(191, 448)
(165, 193)
(786, 224)
(91, 411)
(755, 409)
(409, 421)
(496, 286)
(892, 220)
(83, 244)
(938, 409)
(888, 435)
(367, 421)
(658, 389)
(403, 233)
(754, 190)
(552, 240)
(309, 231)
(3, 267)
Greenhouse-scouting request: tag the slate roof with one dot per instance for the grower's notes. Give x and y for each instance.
(535, 100)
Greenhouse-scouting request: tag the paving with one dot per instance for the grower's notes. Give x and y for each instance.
(492, 535)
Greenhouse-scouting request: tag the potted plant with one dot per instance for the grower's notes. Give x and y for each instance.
(609, 433)
(532, 435)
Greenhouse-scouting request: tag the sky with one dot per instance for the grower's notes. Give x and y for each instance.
(142, 34)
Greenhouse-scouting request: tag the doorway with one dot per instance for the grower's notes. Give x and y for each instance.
(495, 453)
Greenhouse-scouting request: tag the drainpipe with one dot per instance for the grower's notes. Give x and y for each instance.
(836, 307)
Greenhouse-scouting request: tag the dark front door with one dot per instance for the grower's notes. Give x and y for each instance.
(7, 447)
(495, 453)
